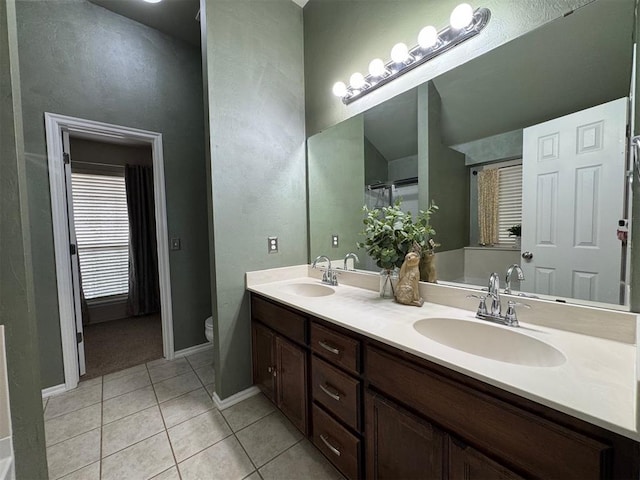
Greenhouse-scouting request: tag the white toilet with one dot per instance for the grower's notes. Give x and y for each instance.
(208, 329)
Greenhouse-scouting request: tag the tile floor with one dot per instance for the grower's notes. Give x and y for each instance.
(158, 421)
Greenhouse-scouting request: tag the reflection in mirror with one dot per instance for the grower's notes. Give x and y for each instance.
(536, 126)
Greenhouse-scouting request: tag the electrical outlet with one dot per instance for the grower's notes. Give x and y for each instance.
(272, 244)
(175, 244)
(334, 241)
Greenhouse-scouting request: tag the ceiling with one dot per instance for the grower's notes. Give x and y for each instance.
(176, 18)
(578, 61)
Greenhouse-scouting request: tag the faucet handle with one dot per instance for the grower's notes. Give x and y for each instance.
(482, 307)
(511, 316)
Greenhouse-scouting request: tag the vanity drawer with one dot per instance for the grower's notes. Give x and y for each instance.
(279, 319)
(336, 391)
(336, 347)
(340, 446)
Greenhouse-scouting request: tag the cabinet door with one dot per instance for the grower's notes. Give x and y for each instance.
(292, 382)
(400, 445)
(465, 463)
(264, 360)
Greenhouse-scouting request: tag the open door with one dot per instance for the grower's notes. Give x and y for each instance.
(73, 248)
(572, 200)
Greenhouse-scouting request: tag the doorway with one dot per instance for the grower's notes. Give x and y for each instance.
(112, 207)
(59, 130)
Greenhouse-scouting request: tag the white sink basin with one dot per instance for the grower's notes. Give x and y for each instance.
(308, 289)
(504, 344)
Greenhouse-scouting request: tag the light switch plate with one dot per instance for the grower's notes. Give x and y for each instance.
(335, 243)
(272, 244)
(175, 244)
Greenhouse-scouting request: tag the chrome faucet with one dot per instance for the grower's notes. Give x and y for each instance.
(354, 257)
(518, 270)
(494, 293)
(328, 276)
(494, 313)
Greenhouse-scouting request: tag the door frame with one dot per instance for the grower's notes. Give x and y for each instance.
(54, 125)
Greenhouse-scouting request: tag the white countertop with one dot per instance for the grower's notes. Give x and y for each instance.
(598, 383)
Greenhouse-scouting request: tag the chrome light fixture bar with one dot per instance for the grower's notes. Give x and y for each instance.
(465, 23)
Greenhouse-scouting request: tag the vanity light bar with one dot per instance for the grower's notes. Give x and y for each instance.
(404, 59)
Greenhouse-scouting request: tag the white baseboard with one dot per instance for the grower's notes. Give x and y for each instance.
(191, 350)
(55, 390)
(236, 398)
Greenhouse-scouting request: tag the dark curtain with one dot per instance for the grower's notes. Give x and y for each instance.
(144, 290)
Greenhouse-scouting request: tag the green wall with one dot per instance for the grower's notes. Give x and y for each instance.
(81, 60)
(254, 76)
(363, 30)
(17, 312)
(376, 167)
(336, 172)
(447, 180)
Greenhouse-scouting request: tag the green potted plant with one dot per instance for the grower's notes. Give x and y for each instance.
(516, 231)
(391, 233)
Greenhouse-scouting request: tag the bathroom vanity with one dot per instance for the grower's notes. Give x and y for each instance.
(381, 400)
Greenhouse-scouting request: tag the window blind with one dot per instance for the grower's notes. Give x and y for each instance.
(102, 232)
(510, 201)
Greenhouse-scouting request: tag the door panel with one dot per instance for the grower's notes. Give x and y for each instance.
(573, 197)
(75, 265)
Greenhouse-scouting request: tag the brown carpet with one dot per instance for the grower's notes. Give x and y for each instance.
(113, 346)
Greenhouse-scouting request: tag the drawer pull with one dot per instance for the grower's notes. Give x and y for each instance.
(328, 347)
(335, 394)
(329, 446)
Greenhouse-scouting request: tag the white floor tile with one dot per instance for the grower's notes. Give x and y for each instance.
(132, 402)
(125, 384)
(176, 386)
(145, 459)
(187, 406)
(72, 401)
(198, 433)
(132, 429)
(72, 424)
(73, 454)
(171, 369)
(225, 460)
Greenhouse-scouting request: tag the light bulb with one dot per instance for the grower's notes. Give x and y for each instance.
(153, 1)
(399, 53)
(339, 89)
(377, 68)
(357, 80)
(461, 16)
(428, 37)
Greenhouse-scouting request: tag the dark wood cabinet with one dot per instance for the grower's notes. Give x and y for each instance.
(291, 381)
(466, 463)
(399, 444)
(264, 360)
(280, 363)
(377, 412)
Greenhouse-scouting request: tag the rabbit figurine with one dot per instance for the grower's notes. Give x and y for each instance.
(407, 290)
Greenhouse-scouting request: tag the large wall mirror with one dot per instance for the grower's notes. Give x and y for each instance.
(533, 133)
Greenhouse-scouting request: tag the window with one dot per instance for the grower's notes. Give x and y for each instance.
(510, 201)
(102, 231)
